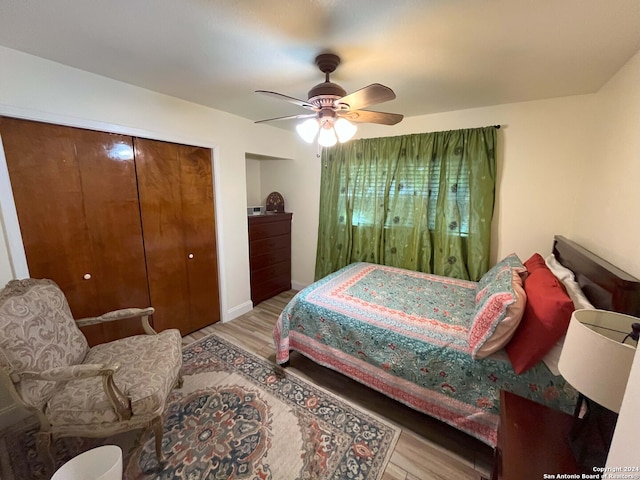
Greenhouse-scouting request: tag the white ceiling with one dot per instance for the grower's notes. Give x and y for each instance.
(437, 55)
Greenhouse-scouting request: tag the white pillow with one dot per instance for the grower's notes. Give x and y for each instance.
(568, 279)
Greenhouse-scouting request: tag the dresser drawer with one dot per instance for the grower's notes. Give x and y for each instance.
(269, 281)
(270, 257)
(266, 245)
(258, 228)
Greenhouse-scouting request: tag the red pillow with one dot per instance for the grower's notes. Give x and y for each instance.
(546, 316)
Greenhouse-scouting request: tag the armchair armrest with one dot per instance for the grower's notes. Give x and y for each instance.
(119, 401)
(72, 372)
(122, 314)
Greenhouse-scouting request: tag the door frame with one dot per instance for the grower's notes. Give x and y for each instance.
(9, 213)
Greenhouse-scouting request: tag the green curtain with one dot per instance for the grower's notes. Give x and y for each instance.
(422, 202)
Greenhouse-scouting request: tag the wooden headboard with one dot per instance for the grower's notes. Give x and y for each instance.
(605, 285)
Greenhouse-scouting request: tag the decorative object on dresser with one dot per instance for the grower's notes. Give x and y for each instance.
(269, 255)
(275, 202)
(596, 360)
(532, 440)
(257, 210)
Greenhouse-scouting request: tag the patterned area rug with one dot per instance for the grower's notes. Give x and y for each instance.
(238, 416)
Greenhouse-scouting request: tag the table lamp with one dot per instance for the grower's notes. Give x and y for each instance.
(596, 359)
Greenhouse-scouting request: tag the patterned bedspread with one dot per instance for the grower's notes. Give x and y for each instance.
(405, 334)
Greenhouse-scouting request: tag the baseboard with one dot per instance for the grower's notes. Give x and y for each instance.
(237, 311)
(298, 286)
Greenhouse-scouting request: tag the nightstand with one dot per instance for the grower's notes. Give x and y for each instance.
(532, 440)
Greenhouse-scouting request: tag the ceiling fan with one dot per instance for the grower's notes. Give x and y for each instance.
(334, 110)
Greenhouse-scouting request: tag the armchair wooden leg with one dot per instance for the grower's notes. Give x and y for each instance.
(43, 447)
(158, 429)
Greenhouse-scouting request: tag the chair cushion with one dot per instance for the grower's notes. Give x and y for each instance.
(149, 367)
(37, 332)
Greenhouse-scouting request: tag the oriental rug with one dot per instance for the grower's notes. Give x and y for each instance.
(238, 416)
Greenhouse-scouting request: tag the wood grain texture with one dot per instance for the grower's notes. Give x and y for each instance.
(176, 203)
(269, 255)
(532, 440)
(605, 285)
(72, 225)
(427, 449)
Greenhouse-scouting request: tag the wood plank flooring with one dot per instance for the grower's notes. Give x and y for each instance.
(427, 448)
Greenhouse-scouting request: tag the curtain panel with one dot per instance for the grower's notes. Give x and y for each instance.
(422, 202)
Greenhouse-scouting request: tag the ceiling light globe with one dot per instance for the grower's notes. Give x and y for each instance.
(344, 129)
(327, 137)
(308, 129)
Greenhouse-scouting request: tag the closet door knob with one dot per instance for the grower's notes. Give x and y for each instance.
(87, 276)
(190, 255)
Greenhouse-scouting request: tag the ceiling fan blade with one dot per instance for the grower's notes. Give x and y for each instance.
(288, 117)
(296, 101)
(369, 95)
(366, 116)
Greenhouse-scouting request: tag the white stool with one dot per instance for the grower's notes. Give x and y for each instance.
(101, 463)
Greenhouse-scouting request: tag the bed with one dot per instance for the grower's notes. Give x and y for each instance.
(417, 338)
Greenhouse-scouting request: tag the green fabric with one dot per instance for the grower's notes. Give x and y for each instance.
(422, 202)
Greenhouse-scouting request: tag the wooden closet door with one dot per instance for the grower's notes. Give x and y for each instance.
(77, 201)
(178, 222)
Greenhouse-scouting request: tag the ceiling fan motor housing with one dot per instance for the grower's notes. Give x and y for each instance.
(330, 101)
(327, 91)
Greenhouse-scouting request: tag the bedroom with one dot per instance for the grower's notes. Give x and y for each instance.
(584, 188)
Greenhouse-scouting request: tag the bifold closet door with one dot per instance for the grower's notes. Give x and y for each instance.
(175, 183)
(77, 201)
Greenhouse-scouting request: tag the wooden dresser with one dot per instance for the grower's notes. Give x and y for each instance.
(269, 255)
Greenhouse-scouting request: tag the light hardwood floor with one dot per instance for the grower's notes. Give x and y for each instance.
(426, 450)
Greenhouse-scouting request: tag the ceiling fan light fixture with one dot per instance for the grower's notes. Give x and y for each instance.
(327, 136)
(332, 104)
(308, 129)
(344, 129)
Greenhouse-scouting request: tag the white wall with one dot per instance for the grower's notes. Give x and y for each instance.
(626, 439)
(607, 220)
(299, 183)
(254, 192)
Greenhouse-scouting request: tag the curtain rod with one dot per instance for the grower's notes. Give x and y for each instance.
(496, 126)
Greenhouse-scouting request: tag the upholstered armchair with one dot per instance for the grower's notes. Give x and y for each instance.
(75, 390)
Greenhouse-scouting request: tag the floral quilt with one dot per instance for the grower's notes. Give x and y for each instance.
(405, 334)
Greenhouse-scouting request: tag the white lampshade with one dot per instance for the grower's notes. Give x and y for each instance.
(344, 129)
(308, 129)
(327, 136)
(331, 130)
(594, 360)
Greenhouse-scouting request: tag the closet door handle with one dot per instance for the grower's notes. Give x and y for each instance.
(190, 255)
(87, 276)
